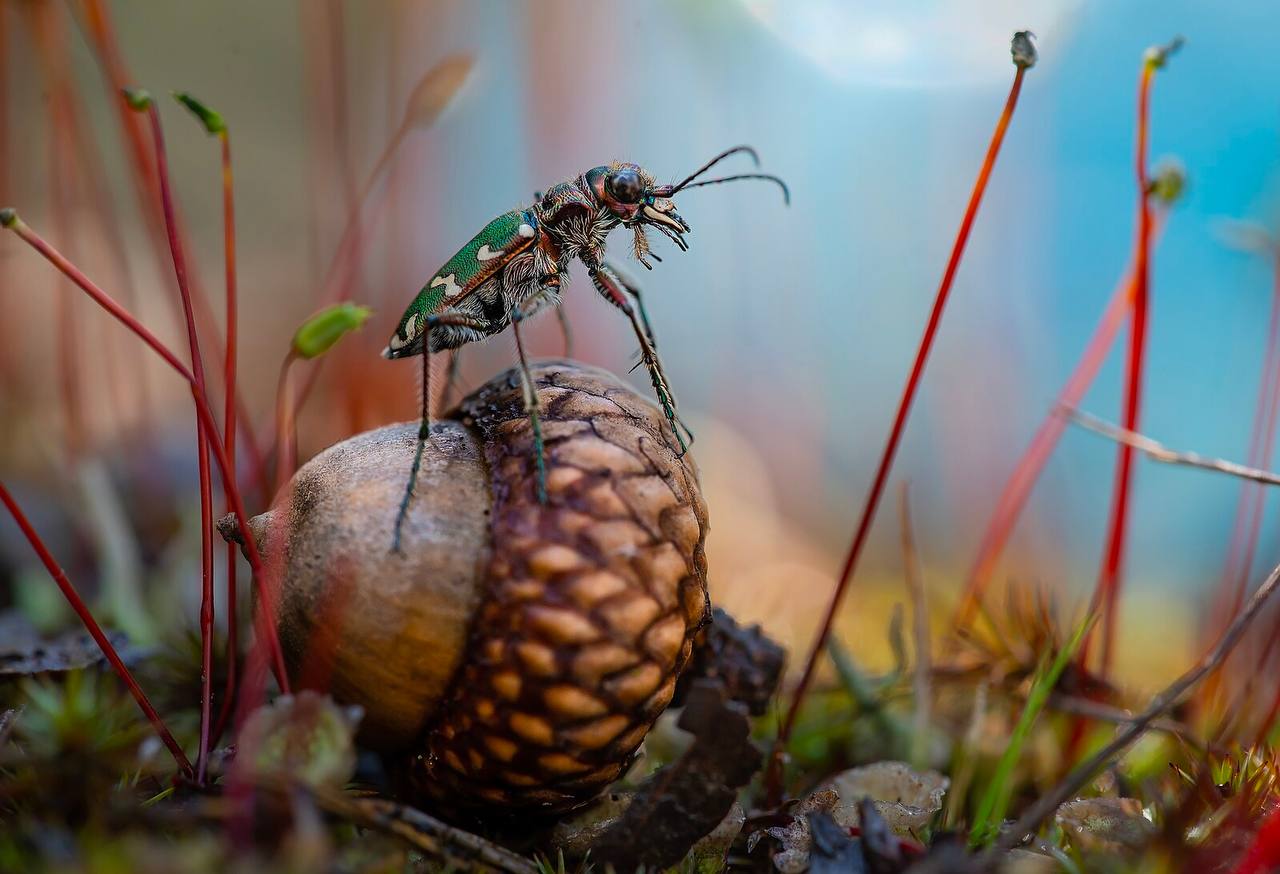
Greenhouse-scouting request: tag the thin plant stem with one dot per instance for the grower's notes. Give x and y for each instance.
(202, 440)
(266, 614)
(774, 777)
(77, 604)
(1100, 712)
(994, 802)
(229, 412)
(286, 442)
(206, 604)
(1159, 452)
(1106, 596)
(1017, 489)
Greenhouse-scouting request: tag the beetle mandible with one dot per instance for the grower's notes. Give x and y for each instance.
(517, 263)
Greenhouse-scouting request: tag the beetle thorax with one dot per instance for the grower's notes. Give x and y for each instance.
(578, 224)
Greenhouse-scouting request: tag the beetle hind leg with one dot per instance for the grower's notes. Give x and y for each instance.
(453, 378)
(531, 406)
(424, 434)
(454, 319)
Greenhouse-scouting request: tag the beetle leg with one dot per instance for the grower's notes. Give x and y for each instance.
(531, 406)
(551, 284)
(611, 288)
(634, 290)
(565, 330)
(424, 428)
(424, 433)
(454, 377)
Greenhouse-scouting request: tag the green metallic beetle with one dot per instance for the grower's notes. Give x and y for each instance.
(516, 265)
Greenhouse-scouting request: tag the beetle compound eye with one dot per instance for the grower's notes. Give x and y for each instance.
(625, 186)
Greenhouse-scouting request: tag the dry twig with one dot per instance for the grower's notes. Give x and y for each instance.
(1159, 452)
(424, 833)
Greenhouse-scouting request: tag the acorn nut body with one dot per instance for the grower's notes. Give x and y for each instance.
(517, 653)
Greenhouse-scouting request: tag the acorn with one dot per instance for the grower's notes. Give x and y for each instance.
(515, 654)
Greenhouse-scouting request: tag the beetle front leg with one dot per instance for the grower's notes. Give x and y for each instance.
(634, 290)
(531, 406)
(611, 287)
(424, 427)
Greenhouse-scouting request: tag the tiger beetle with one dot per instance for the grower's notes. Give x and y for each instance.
(515, 267)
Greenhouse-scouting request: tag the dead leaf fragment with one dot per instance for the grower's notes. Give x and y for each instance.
(689, 798)
(747, 662)
(24, 652)
(907, 799)
(1106, 824)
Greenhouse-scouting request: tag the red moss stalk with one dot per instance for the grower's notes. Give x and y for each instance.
(1107, 594)
(229, 411)
(1017, 489)
(206, 604)
(1024, 58)
(178, 255)
(77, 604)
(286, 440)
(214, 124)
(266, 614)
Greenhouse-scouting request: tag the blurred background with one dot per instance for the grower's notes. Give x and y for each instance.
(787, 332)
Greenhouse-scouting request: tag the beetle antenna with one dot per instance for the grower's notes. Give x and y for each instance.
(716, 160)
(786, 192)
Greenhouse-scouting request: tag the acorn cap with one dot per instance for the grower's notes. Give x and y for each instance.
(592, 600)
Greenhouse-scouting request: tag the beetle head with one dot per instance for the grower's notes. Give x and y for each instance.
(630, 193)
